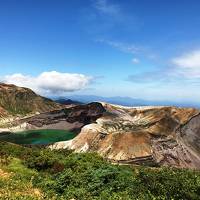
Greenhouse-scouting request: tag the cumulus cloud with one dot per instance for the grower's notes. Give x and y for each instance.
(50, 83)
(188, 64)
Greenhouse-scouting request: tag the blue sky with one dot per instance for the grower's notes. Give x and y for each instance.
(136, 48)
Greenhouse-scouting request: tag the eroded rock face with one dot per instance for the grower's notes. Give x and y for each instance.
(72, 118)
(3, 113)
(142, 135)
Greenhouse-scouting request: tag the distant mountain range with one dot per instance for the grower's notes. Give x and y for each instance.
(124, 101)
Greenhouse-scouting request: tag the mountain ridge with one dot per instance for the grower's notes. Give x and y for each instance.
(23, 101)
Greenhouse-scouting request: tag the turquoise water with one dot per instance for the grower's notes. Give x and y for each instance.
(38, 136)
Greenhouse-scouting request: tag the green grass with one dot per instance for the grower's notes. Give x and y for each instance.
(34, 173)
(16, 183)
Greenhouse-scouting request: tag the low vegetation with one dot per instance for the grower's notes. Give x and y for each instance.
(34, 173)
(18, 101)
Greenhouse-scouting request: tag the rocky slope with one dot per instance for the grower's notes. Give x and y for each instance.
(168, 136)
(68, 102)
(71, 118)
(21, 101)
(18, 102)
(3, 112)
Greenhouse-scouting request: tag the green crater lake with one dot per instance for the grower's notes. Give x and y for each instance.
(38, 136)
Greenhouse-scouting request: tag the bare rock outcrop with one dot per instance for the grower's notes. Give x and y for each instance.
(72, 118)
(166, 136)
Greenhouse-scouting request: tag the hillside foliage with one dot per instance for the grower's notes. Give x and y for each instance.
(37, 173)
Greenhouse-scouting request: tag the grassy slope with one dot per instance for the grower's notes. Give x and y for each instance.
(43, 174)
(16, 182)
(16, 100)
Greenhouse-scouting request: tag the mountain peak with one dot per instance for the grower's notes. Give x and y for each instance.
(17, 100)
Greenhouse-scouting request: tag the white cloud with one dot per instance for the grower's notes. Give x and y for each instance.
(51, 83)
(135, 60)
(184, 69)
(127, 48)
(188, 64)
(106, 7)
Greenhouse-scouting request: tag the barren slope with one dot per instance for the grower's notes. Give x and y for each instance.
(143, 135)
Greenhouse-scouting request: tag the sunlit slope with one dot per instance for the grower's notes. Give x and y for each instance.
(143, 135)
(22, 101)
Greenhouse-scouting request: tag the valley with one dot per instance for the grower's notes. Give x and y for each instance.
(96, 150)
(147, 135)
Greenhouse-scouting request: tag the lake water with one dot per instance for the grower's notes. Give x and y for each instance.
(38, 136)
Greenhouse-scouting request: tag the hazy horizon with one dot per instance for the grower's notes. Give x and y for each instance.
(139, 49)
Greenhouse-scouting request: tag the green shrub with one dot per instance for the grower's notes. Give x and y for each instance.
(61, 174)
